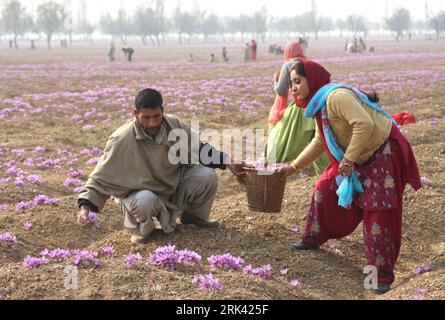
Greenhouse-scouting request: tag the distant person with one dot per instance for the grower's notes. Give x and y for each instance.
(253, 49)
(212, 58)
(111, 52)
(371, 49)
(11, 43)
(246, 53)
(362, 45)
(128, 53)
(353, 46)
(33, 46)
(224, 54)
(303, 42)
(190, 58)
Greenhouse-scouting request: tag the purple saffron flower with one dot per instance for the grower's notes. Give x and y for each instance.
(85, 152)
(24, 205)
(93, 161)
(45, 200)
(226, 261)
(18, 153)
(35, 179)
(85, 257)
(5, 180)
(94, 220)
(284, 272)
(417, 270)
(418, 297)
(19, 182)
(295, 282)
(424, 180)
(208, 282)
(56, 254)
(76, 173)
(70, 182)
(187, 256)
(8, 239)
(262, 272)
(249, 219)
(108, 250)
(132, 258)
(3, 207)
(164, 257)
(96, 150)
(420, 290)
(80, 190)
(33, 262)
(12, 171)
(294, 229)
(27, 226)
(29, 162)
(38, 150)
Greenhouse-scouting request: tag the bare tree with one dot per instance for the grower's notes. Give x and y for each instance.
(145, 23)
(437, 22)
(50, 19)
(16, 20)
(260, 23)
(400, 21)
(356, 24)
(210, 26)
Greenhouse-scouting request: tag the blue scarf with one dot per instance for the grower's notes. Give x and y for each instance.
(347, 186)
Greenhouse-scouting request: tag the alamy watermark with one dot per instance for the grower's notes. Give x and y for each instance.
(248, 145)
(71, 277)
(372, 279)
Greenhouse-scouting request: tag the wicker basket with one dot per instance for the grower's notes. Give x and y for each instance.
(264, 192)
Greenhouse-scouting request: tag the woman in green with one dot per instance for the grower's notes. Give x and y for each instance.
(290, 132)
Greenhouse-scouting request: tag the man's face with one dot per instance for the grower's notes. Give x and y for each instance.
(150, 120)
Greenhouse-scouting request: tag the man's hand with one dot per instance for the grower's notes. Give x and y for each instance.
(238, 171)
(82, 216)
(346, 167)
(288, 170)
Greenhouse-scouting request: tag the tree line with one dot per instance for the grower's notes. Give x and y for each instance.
(151, 24)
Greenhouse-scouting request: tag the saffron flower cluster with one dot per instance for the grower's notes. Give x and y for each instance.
(84, 257)
(420, 270)
(56, 254)
(93, 220)
(132, 258)
(35, 179)
(34, 262)
(71, 182)
(208, 282)
(262, 272)
(76, 173)
(226, 261)
(166, 257)
(108, 250)
(8, 239)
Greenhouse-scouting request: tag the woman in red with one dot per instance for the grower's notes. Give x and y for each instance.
(370, 164)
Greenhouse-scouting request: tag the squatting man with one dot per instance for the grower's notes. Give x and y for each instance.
(137, 172)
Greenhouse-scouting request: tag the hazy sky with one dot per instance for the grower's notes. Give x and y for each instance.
(374, 9)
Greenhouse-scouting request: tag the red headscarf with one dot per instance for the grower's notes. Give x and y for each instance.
(292, 51)
(317, 77)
